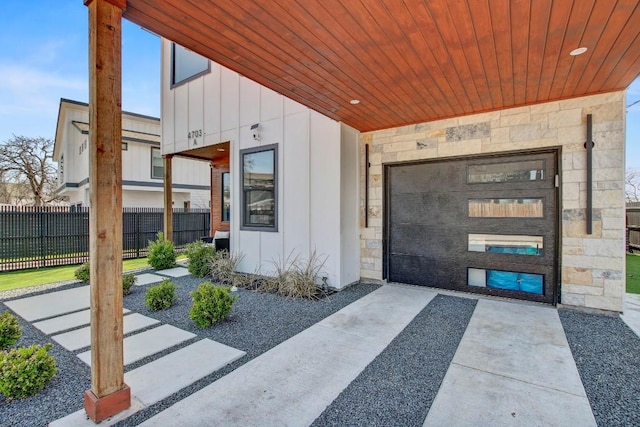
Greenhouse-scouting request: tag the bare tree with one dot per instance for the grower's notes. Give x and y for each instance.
(632, 185)
(29, 161)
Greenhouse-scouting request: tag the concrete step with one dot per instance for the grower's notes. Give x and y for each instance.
(163, 377)
(80, 338)
(147, 343)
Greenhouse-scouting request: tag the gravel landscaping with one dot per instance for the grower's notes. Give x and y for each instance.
(400, 384)
(607, 354)
(258, 322)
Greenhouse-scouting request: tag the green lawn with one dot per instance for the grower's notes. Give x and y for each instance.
(40, 276)
(633, 274)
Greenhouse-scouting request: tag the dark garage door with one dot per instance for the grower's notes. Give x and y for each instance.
(484, 225)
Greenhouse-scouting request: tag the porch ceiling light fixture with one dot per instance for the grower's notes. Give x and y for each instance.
(354, 102)
(578, 51)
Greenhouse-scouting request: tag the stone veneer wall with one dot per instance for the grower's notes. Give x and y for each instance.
(592, 266)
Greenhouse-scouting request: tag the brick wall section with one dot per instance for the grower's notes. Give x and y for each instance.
(592, 266)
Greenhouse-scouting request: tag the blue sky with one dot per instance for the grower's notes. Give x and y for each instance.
(44, 58)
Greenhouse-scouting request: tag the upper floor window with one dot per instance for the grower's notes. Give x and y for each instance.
(259, 188)
(61, 168)
(157, 164)
(186, 65)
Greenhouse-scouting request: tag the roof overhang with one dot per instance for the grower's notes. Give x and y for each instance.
(410, 61)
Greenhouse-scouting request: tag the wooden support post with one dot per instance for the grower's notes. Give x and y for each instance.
(108, 394)
(168, 199)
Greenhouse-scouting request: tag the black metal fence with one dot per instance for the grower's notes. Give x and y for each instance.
(33, 237)
(633, 227)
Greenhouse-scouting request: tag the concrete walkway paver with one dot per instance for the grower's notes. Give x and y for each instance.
(148, 278)
(81, 338)
(51, 304)
(631, 313)
(66, 321)
(174, 272)
(512, 367)
(294, 381)
(147, 343)
(161, 378)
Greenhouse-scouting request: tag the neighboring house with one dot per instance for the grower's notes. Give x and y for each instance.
(142, 163)
(490, 203)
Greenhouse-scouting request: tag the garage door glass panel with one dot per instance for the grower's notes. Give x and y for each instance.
(531, 170)
(506, 208)
(505, 280)
(506, 244)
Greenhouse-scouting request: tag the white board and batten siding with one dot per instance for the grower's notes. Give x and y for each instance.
(317, 167)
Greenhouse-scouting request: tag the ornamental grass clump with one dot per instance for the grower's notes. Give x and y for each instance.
(295, 277)
(25, 371)
(162, 254)
(161, 297)
(223, 269)
(200, 256)
(211, 304)
(10, 330)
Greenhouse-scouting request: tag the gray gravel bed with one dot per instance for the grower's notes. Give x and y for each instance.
(399, 386)
(258, 322)
(607, 354)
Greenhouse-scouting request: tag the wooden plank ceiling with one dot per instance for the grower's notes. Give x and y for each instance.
(410, 61)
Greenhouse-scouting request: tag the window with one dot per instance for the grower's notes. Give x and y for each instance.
(258, 168)
(530, 170)
(186, 65)
(506, 244)
(506, 208)
(226, 197)
(61, 168)
(506, 280)
(125, 146)
(157, 164)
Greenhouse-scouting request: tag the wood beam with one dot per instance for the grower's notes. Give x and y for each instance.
(168, 198)
(108, 394)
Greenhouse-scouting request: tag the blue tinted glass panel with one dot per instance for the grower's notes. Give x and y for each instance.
(507, 280)
(506, 244)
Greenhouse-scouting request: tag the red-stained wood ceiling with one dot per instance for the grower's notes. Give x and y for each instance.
(409, 61)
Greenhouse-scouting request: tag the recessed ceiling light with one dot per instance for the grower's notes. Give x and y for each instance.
(220, 149)
(355, 101)
(578, 51)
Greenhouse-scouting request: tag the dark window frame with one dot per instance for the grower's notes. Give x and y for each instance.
(151, 171)
(253, 227)
(173, 82)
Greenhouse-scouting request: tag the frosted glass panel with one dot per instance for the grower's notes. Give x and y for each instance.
(531, 170)
(506, 208)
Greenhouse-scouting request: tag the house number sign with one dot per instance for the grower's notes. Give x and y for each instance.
(196, 133)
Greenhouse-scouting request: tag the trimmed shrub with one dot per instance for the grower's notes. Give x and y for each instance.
(25, 371)
(200, 256)
(10, 330)
(211, 304)
(162, 254)
(161, 297)
(128, 279)
(82, 272)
